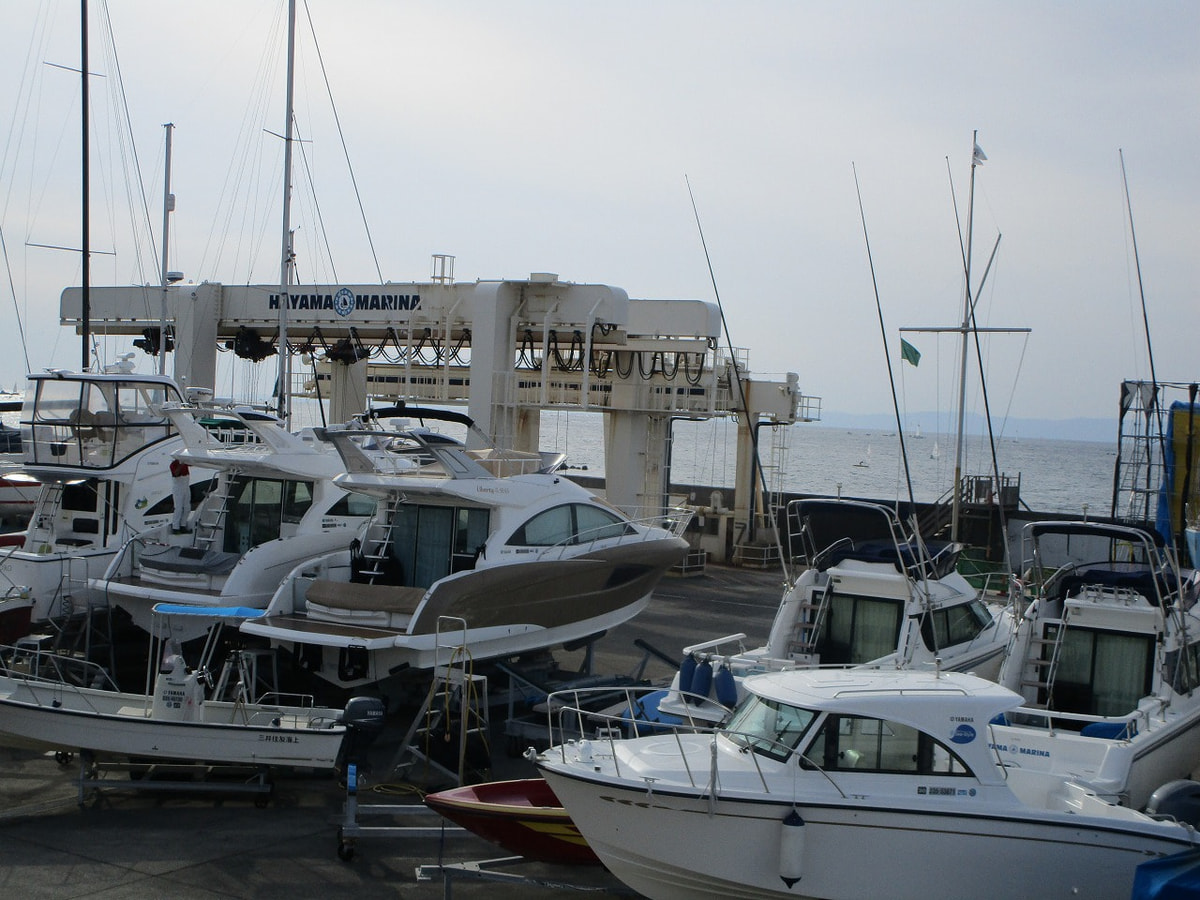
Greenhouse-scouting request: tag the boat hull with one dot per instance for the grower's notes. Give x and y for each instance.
(677, 845)
(49, 716)
(522, 816)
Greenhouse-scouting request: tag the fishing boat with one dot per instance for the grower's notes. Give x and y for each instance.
(1106, 660)
(55, 702)
(522, 816)
(485, 552)
(98, 448)
(872, 594)
(843, 784)
(272, 505)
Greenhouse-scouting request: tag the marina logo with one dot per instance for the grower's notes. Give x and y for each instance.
(343, 302)
(963, 734)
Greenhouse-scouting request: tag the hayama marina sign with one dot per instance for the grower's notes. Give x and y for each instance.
(345, 301)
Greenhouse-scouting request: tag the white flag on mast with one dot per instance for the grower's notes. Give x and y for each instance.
(979, 157)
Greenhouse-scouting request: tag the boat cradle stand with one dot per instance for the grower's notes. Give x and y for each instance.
(96, 778)
(349, 829)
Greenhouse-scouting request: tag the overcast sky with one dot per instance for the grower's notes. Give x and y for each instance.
(561, 136)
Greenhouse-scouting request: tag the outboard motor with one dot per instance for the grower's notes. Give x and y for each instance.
(1178, 800)
(363, 718)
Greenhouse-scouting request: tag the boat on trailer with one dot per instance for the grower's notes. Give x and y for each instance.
(55, 702)
(272, 505)
(841, 783)
(1106, 660)
(479, 551)
(522, 816)
(871, 594)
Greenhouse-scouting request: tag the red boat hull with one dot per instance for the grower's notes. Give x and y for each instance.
(522, 816)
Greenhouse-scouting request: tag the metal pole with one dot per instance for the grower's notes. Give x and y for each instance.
(168, 208)
(286, 263)
(85, 224)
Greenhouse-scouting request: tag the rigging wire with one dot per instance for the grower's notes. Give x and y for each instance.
(342, 137)
(971, 299)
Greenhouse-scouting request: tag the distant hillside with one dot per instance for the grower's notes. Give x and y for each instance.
(1099, 430)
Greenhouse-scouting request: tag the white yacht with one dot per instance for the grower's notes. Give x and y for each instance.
(1106, 660)
(100, 446)
(273, 505)
(848, 783)
(479, 553)
(872, 594)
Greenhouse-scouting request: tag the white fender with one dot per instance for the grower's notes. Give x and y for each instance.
(791, 848)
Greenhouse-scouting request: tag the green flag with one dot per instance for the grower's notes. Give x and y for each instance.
(909, 353)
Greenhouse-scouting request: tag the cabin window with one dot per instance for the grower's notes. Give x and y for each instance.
(878, 745)
(572, 523)
(958, 624)
(859, 629)
(353, 505)
(80, 497)
(427, 543)
(1100, 673)
(1183, 669)
(769, 727)
(258, 507)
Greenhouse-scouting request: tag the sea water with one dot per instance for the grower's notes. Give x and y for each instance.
(1055, 475)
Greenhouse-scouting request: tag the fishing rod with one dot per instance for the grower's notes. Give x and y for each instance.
(1155, 407)
(912, 504)
(737, 378)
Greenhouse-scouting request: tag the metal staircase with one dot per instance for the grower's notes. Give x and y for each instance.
(452, 725)
(806, 633)
(1041, 669)
(214, 511)
(377, 541)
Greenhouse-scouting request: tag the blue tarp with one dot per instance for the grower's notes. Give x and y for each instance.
(1175, 877)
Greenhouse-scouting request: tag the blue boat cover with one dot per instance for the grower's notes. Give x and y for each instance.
(211, 612)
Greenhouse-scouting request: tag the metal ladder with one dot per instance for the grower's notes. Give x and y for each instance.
(455, 709)
(212, 517)
(377, 540)
(807, 630)
(1040, 670)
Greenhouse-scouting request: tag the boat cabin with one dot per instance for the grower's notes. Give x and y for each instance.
(93, 422)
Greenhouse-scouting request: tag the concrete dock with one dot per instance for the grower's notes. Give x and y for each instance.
(121, 843)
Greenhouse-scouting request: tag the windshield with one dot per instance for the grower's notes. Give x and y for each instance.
(769, 727)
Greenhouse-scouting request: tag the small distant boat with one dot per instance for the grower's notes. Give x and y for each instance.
(934, 454)
(522, 816)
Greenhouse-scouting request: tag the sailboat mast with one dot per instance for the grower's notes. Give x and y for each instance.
(85, 223)
(168, 206)
(287, 261)
(962, 373)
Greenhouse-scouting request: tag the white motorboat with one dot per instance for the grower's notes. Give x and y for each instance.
(273, 505)
(872, 595)
(50, 701)
(483, 551)
(100, 445)
(1107, 661)
(850, 783)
